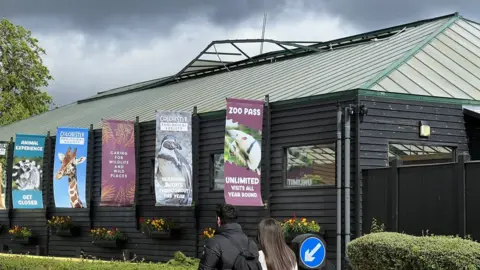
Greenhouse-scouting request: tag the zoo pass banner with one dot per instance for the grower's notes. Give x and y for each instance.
(27, 171)
(243, 152)
(118, 163)
(3, 172)
(173, 159)
(70, 167)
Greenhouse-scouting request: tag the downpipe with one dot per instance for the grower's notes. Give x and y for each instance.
(339, 187)
(348, 112)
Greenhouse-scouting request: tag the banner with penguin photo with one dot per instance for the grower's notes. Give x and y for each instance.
(173, 159)
(70, 167)
(243, 152)
(27, 171)
(118, 163)
(3, 172)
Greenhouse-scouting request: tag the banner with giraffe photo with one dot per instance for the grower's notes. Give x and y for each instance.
(173, 159)
(27, 171)
(3, 172)
(118, 163)
(70, 167)
(243, 152)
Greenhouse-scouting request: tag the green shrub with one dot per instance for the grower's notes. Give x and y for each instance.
(24, 262)
(377, 227)
(386, 250)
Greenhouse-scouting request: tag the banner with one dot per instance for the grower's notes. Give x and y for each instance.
(243, 152)
(27, 171)
(118, 163)
(173, 159)
(3, 173)
(70, 167)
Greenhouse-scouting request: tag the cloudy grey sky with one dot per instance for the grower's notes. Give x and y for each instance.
(96, 45)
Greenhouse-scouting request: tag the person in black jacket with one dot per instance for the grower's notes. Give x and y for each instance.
(221, 251)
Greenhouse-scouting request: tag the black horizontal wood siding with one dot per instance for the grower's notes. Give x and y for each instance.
(33, 219)
(301, 125)
(138, 245)
(211, 141)
(472, 125)
(394, 120)
(143, 246)
(62, 246)
(398, 120)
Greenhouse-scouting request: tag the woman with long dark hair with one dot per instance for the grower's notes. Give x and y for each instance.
(274, 254)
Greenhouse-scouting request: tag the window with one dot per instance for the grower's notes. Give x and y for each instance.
(218, 176)
(416, 154)
(311, 166)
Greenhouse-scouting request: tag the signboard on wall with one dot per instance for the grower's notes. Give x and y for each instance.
(70, 167)
(243, 152)
(173, 159)
(118, 163)
(27, 171)
(3, 173)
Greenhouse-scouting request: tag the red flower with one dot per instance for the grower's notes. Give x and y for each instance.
(141, 220)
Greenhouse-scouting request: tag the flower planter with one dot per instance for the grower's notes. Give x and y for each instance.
(108, 243)
(23, 241)
(173, 233)
(67, 232)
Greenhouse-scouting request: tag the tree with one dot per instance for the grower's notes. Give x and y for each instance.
(22, 74)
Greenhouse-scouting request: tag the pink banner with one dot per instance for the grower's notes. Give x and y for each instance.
(118, 163)
(243, 152)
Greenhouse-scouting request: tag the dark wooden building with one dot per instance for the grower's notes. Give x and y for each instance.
(394, 79)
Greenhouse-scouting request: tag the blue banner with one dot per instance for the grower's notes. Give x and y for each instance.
(70, 167)
(27, 171)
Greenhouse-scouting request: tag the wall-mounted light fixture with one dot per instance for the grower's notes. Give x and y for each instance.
(424, 129)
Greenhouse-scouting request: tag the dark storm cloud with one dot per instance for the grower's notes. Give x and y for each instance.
(375, 14)
(114, 17)
(94, 16)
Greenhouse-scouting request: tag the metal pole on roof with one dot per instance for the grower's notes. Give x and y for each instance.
(263, 31)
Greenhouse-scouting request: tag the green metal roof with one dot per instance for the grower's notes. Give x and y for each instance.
(370, 61)
(446, 65)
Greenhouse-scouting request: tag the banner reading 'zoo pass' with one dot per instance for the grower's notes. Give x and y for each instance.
(118, 163)
(70, 167)
(173, 162)
(27, 171)
(3, 172)
(243, 152)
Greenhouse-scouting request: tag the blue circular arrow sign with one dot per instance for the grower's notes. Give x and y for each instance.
(312, 252)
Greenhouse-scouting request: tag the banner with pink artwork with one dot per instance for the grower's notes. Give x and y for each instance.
(243, 152)
(118, 163)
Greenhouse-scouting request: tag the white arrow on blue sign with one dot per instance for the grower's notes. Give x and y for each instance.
(312, 252)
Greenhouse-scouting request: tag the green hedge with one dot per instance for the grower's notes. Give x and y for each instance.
(24, 262)
(386, 250)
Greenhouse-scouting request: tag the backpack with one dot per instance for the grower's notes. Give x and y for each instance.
(246, 260)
